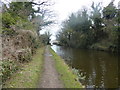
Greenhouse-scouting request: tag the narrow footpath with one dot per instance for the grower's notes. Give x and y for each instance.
(50, 77)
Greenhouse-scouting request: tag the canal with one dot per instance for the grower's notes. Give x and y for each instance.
(99, 68)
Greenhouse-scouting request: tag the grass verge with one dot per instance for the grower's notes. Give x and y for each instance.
(67, 77)
(29, 75)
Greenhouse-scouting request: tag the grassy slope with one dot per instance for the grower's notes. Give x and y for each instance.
(29, 75)
(66, 75)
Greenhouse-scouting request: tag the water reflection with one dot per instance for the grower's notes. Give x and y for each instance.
(100, 68)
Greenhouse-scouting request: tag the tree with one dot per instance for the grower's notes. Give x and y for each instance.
(118, 29)
(109, 12)
(97, 21)
(98, 30)
(23, 14)
(110, 19)
(75, 29)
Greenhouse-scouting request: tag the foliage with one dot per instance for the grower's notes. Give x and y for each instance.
(97, 22)
(22, 15)
(18, 19)
(7, 22)
(21, 9)
(0, 23)
(75, 30)
(46, 38)
(109, 12)
(83, 30)
(8, 68)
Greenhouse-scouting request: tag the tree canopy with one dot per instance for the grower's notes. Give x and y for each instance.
(100, 28)
(25, 15)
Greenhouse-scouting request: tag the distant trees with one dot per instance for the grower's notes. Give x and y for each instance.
(75, 30)
(46, 38)
(98, 29)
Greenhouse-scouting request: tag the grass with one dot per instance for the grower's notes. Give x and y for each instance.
(67, 77)
(29, 75)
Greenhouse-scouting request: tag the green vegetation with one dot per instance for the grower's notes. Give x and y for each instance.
(69, 79)
(29, 74)
(8, 68)
(45, 38)
(98, 28)
(21, 23)
(20, 31)
(22, 15)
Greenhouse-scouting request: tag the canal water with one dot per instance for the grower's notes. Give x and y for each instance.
(99, 68)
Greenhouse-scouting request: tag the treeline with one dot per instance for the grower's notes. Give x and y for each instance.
(97, 29)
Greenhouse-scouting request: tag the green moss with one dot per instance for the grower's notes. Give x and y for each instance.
(29, 75)
(69, 79)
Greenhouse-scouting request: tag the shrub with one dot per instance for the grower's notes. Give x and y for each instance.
(8, 68)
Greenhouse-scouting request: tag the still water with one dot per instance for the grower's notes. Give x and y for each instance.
(99, 68)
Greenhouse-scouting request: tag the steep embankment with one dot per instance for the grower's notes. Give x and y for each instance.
(18, 46)
(16, 50)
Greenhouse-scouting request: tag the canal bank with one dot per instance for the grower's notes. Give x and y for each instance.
(69, 79)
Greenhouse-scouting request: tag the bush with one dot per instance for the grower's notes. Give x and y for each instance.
(8, 68)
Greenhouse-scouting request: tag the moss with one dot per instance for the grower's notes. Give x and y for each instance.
(69, 79)
(29, 75)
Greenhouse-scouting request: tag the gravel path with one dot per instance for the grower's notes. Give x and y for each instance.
(50, 77)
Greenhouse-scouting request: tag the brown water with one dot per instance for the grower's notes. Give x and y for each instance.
(100, 68)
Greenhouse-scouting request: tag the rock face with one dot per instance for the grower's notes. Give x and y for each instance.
(18, 47)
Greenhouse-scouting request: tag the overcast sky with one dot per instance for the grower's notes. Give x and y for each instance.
(63, 8)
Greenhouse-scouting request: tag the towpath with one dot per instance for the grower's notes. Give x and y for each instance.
(50, 77)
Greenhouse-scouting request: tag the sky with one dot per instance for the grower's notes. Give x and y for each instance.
(63, 8)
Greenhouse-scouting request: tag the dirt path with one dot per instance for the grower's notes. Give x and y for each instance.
(50, 77)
